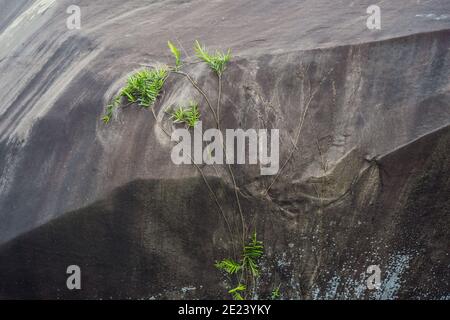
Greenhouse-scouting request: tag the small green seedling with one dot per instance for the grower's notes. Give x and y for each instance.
(110, 109)
(188, 115)
(251, 254)
(145, 86)
(217, 61)
(276, 293)
(176, 53)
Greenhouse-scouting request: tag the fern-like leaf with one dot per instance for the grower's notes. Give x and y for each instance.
(229, 266)
(252, 252)
(236, 292)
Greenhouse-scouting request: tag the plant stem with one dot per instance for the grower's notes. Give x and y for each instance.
(196, 86)
(219, 77)
(297, 137)
(207, 184)
(238, 204)
(233, 179)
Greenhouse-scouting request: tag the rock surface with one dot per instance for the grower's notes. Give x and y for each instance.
(368, 184)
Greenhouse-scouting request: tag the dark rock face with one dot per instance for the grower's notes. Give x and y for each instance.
(369, 184)
(141, 241)
(146, 241)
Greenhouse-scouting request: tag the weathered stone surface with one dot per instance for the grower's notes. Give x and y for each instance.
(108, 198)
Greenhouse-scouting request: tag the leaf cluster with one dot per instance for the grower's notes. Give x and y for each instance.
(216, 61)
(142, 87)
(188, 115)
(251, 254)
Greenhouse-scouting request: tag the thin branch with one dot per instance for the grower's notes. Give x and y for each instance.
(219, 77)
(302, 119)
(297, 137)
(205, 181)
(238, 203)
(196, 86)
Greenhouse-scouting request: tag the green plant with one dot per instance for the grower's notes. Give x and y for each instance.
(236, 292)
(190, 115)
(193, 115)
(276, 293)
(142, 87)
(252, 252)
(216, 61)
(248, 265)
(179, 115)
(229, 266)
(110, 109)
(176, 53)
(145, 86)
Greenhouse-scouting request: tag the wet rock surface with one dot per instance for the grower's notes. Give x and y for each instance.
(368, 185)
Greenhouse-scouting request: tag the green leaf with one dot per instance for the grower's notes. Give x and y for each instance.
(217, 61)
(237, 296)
(129, 96)
(193, 115)
(176, 53)
(142, 87)
(190, 115)
(228, 266)
(276, 294)
(240, 287)
(252, 252)
(106, 119)
(236, 292)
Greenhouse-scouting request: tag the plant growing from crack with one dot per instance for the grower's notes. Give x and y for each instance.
(143, 88)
